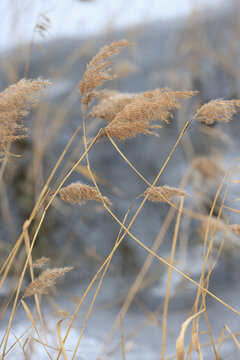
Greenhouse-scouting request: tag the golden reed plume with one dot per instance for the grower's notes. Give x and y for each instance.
(77, 192)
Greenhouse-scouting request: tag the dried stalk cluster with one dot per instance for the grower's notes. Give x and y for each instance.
(77, 192)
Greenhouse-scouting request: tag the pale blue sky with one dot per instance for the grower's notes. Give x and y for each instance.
(75, 17)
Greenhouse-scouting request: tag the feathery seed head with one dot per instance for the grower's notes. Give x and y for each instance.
(110, 106)
(235, 228)
(218, 110)
(45, 280)
(163, 193)
(143, 109)
(77, 192)
(63, 314)
(98, 70)
(207, 167)
(15, 103)
(40, 262)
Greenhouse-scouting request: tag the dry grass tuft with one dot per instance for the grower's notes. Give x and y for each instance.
(207, 167)
(218, 110)
(152, 105)
(110, 106)
(15, 103)
(235, 228)
(98, 70)
(45, 280)
(160, 193)
(63, 314)
(40, 262)
(77, 192)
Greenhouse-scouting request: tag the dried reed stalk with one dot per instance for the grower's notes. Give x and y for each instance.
(207, 167)
(98, 70)
(15, 103)
(160, 193)
(45, 280)
(143, 109)
(77, 192)
(218, 110)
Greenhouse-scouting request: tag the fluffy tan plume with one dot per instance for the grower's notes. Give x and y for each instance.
(77, 192)
(218, 110)
(142, 110)
(235, 228)
(45, 280)
(98, 70)
(160, 193)
(63, 314)
(15, 103)
(207, 167)
(40, 262)
(109, 106)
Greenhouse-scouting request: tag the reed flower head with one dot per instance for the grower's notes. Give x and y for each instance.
(77, 192)
(40, 262)
(163, 193)
(218, 110)
(45, 280)
(235, 228)
(15, 103)
(98, 70)
(207, 167)
(110, 106)
(63, 314)
(136, 116)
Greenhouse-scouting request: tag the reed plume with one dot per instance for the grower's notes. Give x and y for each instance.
(110, 106)
(235, 228)
(163, 193)
(63, 314)
(142, 110)
(99, 70)
(218, 110)
(38, 264)
(207, 167)
(15, 103)
(77, 192)
(45, 280)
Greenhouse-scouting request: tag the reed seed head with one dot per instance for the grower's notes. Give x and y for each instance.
(163, 193)
(63, 314)
(235, 228)
(77, 192)
(218, 110)
(136, 116)
(207, 167)
(40, 262)
(15, 103)
(47, 279)
(98, 70)
(110, 106)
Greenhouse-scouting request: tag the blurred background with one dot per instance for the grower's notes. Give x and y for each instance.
(182, 45)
